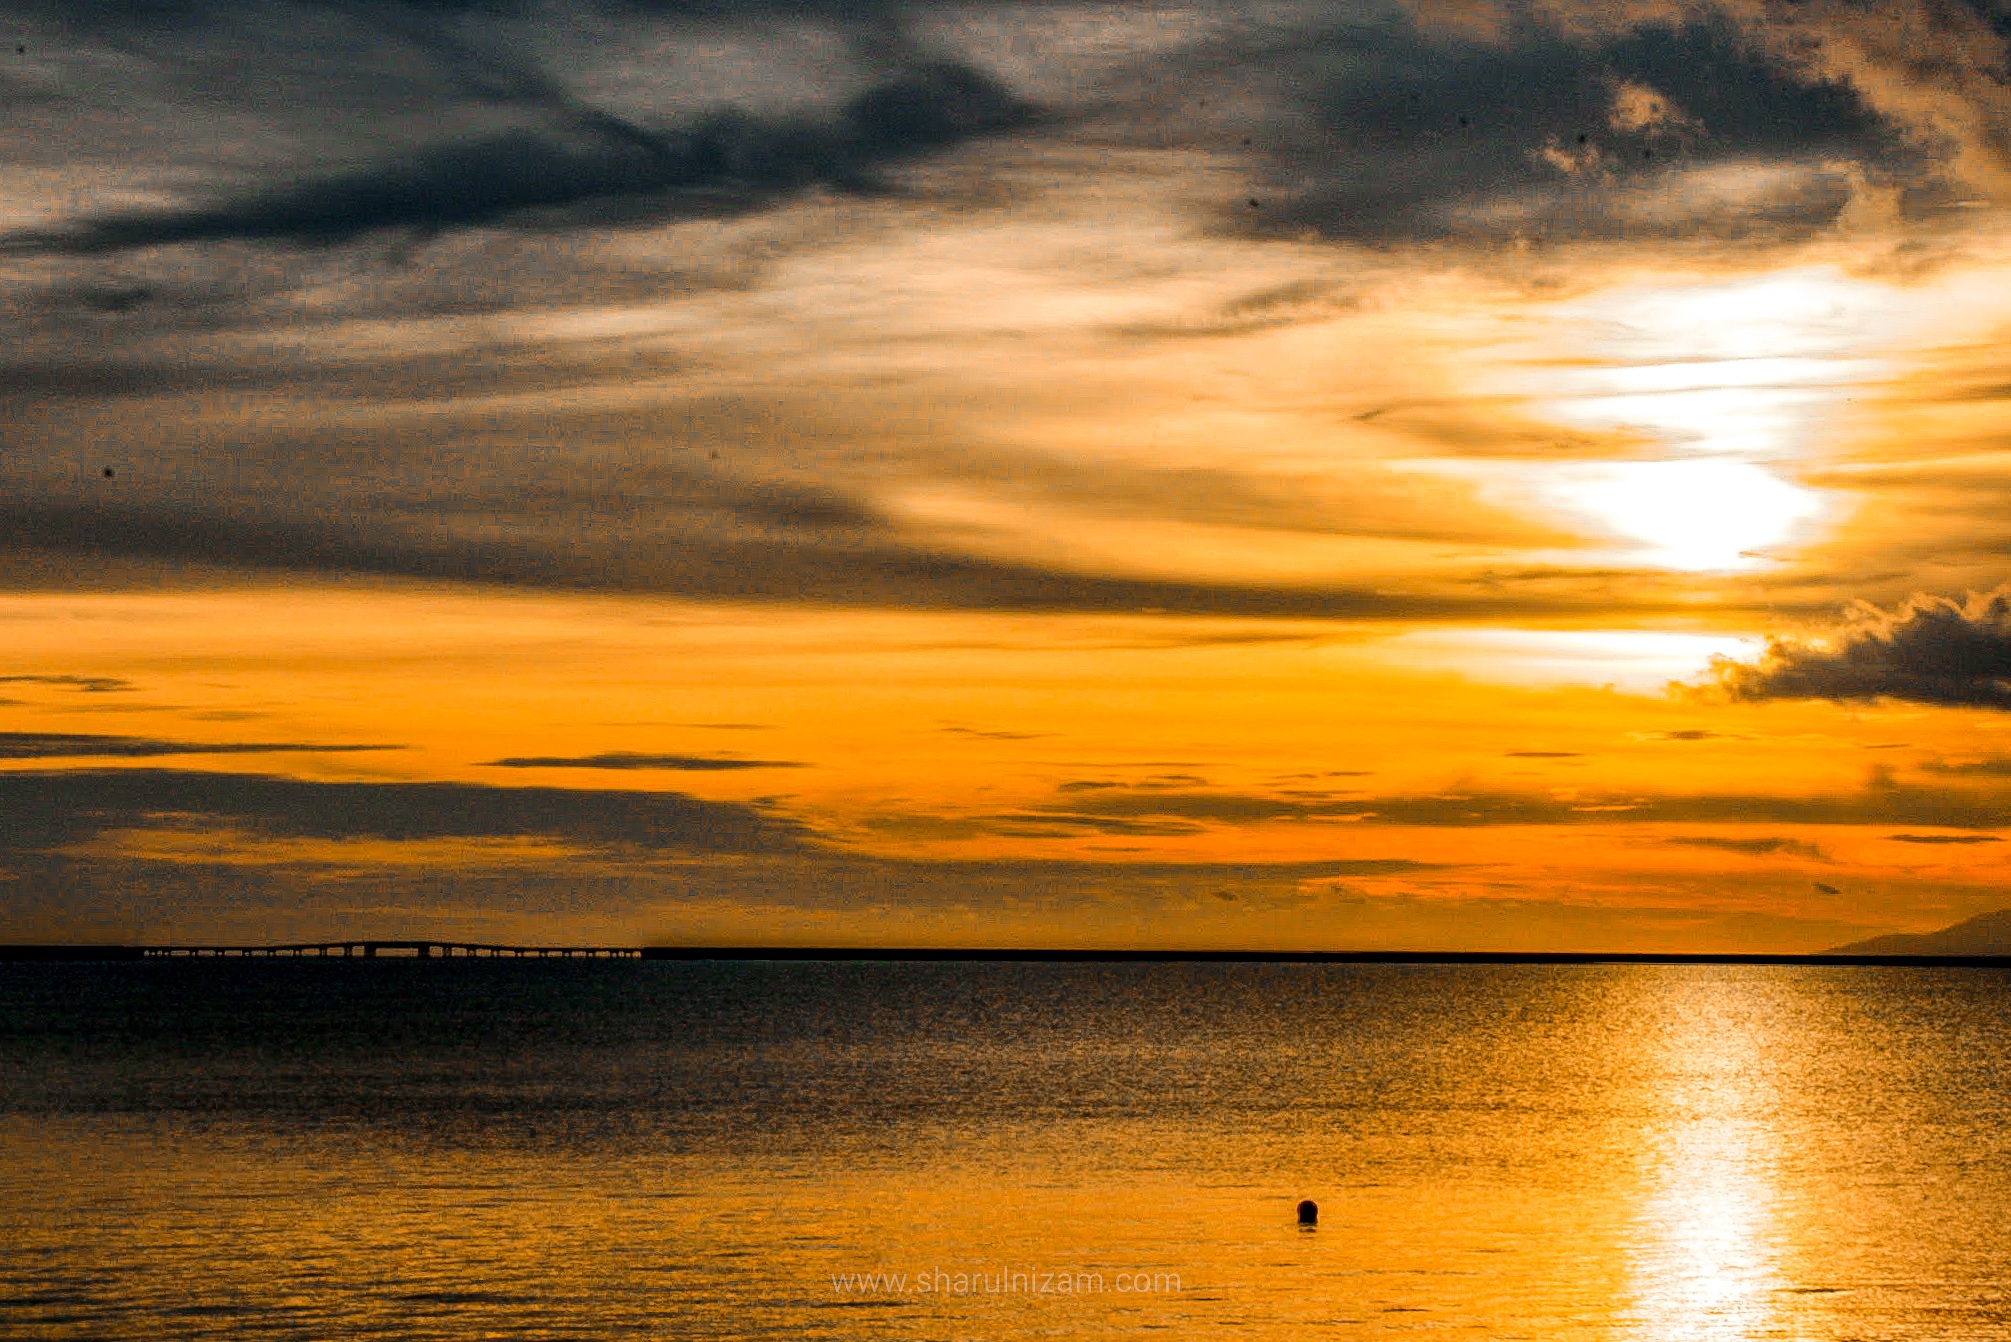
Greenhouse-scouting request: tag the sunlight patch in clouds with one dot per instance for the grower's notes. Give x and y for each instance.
(1749, 367)
(1695, 516)
(1634, 660)
(1732, 383)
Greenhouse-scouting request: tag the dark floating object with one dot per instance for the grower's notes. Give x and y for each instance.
(1253, 202)
(108, 472)
(1464, 122)
(1309, 1213)
(1647, 153)
(1581, 137)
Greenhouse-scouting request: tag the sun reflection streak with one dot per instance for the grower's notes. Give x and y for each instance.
(1706, 1261)
(1711, 1270)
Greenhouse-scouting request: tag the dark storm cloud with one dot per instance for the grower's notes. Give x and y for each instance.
(623, 759)
(1931, 650)
(40, 810)
(606, 170)
(72, 745)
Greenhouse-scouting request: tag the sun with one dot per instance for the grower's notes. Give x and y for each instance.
(1735, 381)
(1692, 515)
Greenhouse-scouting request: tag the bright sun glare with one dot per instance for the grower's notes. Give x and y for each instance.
(1735, 380)
(1692, 515)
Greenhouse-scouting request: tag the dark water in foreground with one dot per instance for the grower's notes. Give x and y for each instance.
(600, 1150)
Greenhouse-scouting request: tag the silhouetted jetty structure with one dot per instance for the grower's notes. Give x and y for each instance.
(425, 950)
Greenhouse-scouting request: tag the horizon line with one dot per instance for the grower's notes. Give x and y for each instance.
(424, 948)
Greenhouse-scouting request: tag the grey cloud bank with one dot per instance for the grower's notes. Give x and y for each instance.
(242, 253)
(606, 171)
(1932, 650)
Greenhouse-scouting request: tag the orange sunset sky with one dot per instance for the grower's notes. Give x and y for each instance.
(1356, 476)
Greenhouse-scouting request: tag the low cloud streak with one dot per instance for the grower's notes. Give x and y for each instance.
(68, 745)
(625, 759)
(41, 810)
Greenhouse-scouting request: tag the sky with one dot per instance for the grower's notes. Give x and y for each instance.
(1498, 476)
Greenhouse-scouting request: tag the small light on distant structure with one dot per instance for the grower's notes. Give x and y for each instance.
(1309, 1213)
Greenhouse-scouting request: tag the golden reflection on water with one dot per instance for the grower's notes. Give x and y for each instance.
(1706, 1263)
(1711, 1269)
(1567, 1155)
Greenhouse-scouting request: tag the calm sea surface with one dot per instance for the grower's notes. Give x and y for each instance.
(646, 1149)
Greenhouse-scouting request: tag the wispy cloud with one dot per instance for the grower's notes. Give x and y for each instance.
(1756, 847)
(65, 745)
(606, 170)
(46, 809)
(1963, 839)
(993, 733)
(1884, 802)
(83, 684)
(1990, 766)
(1552, 131)
(625, 759)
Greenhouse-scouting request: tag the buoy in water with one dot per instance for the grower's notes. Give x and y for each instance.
(1309, 1213)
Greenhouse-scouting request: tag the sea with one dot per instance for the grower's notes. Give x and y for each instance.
(709, 1150)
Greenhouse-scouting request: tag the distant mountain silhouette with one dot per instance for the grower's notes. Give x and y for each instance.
(1985, 934)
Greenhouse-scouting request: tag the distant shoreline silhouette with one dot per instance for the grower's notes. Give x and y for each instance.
(1987, 934)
